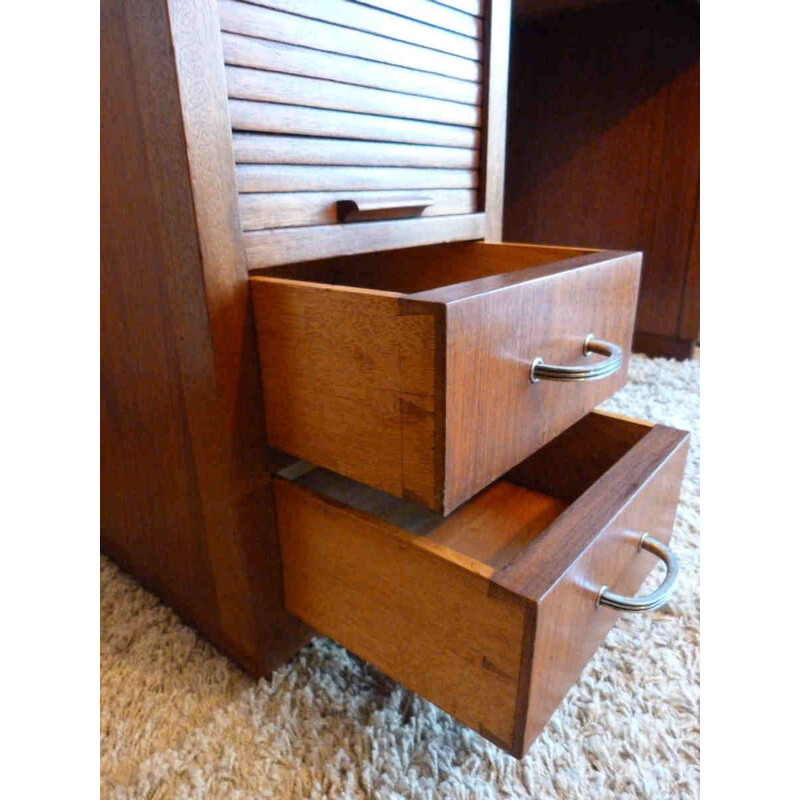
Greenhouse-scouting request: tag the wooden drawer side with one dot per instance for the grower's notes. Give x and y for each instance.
(350, 383)
(430, 623)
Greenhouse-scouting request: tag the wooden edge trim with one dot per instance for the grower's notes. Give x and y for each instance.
(506, 280)
(257, 281)
(517, 748)
(539, 567)
(439, 314)
(495, 110)
(612, 415)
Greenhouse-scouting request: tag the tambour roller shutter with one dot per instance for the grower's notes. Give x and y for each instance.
(345, 110)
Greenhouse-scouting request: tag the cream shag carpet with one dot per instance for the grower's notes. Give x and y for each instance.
(179, 720)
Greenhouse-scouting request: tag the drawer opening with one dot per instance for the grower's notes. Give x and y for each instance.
(421, 269)
(504, 519)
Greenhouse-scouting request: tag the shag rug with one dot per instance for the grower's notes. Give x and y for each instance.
(178, 720)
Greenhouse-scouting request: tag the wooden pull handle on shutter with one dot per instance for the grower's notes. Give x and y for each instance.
(397, 206)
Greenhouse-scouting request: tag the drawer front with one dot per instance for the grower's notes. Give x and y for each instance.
(495, 415)
(425, 392)
(491, 614)
(344, 113)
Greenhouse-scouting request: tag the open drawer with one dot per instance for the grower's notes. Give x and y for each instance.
(429, 372)
(493, 612)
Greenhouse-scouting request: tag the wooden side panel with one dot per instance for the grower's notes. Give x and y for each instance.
(494, 140)
(568, 465)
(595, 542)
(614, 161)
(690, 307)
(495, 415)
(427, 622)
(344, 373)
(186, 503)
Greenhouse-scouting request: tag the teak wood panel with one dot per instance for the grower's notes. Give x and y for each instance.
(594, 543)
(433, 13)
(493, 634)
(496, 417)
(427, 395)
(253, 20)
(244, 51)
(186, 502)
(275, 87)
(427, 622)
(278, 210)
(349, 382)
(269, 248)
(256, 148)
(301, 178)
(618, 165)
(393, 26)
(251, 115)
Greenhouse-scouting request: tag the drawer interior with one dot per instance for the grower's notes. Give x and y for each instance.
(422, 269)
(500, 522)
(490, 613)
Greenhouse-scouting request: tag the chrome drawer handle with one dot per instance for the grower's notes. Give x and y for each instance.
(651, 601)
(602, 369)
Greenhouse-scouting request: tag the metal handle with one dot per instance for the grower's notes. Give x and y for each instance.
(602, 369)
(651, 601)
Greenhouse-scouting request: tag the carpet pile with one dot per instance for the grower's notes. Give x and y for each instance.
(178, 720)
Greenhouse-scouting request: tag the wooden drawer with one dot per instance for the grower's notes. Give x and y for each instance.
(491, 614)
(410, 370)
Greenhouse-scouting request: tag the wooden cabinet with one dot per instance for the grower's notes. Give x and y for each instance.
(604, 146)
(344, 161)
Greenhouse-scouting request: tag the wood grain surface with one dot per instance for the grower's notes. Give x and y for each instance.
(256, 148)
(594, 543)
(272, 247)
(489, 613)
(283, 209)
(245, 51)
(297, 90)
(605, 155)
(251, 115)
(426, 621)
(333, 37)
(427, 394)
(375, 20)
(186, 504)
